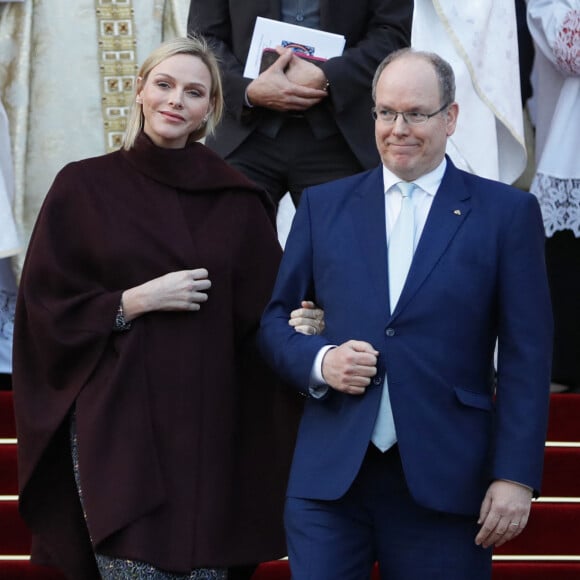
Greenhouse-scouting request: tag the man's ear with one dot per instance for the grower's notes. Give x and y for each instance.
(451, 120)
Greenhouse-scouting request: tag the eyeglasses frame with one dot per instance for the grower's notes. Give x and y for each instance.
(403, 114)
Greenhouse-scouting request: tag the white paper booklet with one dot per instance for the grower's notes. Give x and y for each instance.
(271, 33)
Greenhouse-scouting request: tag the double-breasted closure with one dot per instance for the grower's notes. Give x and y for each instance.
(372, 28)
(478, 275)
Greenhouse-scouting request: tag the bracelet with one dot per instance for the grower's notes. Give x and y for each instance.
(120, 323)
(326, 85)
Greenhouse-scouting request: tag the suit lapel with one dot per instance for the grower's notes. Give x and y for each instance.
(368, 217)
(450, 208)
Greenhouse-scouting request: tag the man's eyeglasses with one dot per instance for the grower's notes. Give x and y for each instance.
(410, 117)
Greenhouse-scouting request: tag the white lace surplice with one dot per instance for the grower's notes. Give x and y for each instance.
(555, 27)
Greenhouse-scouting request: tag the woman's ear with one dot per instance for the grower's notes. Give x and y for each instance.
(138, 90)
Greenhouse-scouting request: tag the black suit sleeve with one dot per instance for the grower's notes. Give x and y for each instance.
(386, 27)
(214, 20)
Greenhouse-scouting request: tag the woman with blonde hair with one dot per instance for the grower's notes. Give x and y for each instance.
(153, 442)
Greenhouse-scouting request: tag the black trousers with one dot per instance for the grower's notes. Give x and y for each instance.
(5, 382)
(293, 159)
(563, 263)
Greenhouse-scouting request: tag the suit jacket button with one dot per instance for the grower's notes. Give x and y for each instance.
(377, 380)
(390, 332)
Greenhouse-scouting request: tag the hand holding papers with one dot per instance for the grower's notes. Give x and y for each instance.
(315, 44)
(270, 56)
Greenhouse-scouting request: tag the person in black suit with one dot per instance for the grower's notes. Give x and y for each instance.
(298, 124)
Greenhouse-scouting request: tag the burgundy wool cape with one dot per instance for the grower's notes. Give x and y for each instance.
(184, 436)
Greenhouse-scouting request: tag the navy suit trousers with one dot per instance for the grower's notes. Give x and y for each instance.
(378, 520)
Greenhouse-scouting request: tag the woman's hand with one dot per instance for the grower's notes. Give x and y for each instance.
(308, 320)
(181, 290)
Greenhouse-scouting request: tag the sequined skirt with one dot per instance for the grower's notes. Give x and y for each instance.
(119, 569)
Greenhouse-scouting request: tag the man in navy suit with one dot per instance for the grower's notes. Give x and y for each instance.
(298, 124)
(462, 455)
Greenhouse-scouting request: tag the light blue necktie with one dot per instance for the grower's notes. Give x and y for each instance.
(400, 256)
(401, 244)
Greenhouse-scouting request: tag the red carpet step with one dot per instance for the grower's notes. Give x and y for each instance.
(536, 571)
(553, 529)
(23, 570)
(14, 536)
(562, 472)
(280, 571)
(7, 423)
(501, 571)
(564, 423)
(8, 475)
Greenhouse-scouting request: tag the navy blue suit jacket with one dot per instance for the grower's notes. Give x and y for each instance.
(478, 275)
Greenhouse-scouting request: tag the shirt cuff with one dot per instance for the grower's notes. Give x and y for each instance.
(530, 489)
(317, 386)
(246, 100)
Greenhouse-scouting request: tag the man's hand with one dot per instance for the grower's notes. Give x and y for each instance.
(273, 90)
(504, 513)
(305, 73)
(307, 320)
(349, 367)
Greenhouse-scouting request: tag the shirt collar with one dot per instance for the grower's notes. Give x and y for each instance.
(429, 182)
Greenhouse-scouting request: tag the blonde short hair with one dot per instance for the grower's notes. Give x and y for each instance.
(195, 46)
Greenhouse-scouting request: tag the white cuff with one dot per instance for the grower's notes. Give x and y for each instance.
(246, 100)
(317, 386)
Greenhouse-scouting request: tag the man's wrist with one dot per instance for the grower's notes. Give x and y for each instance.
(247, 102)
(316, 376)
(530, 489)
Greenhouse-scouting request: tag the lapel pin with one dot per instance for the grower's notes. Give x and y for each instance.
(457, 211)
